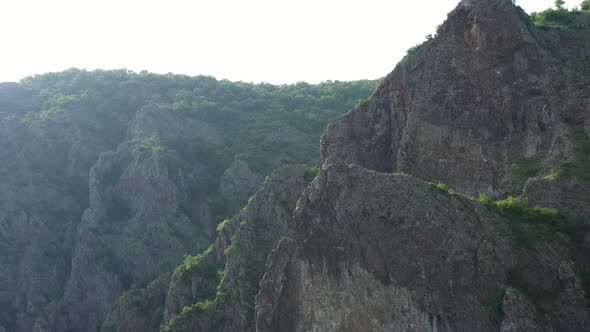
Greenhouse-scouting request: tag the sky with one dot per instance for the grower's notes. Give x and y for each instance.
(274, 41)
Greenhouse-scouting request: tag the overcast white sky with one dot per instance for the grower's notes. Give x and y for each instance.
(276, 41)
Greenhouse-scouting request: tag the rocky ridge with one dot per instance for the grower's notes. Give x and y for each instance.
(387, 252)
(473, 107)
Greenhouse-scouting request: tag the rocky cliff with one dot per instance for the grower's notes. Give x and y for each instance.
(493, 105)
(106, 209)
(216, 291)
(490, 101)
(109, 178)
(387, 252)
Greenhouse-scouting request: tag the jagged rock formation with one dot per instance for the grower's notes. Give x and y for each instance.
(139, 309)
(382, 252)
(473, 105)
(487, 106)
(238, 182)
(219, 287)
(43, 178)
(102, 193)
(491, 105)
(146, 212)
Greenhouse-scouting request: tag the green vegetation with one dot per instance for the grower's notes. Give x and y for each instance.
(207, 299)
(580, 166)
(445, 188)
(416, 48)
(525, 168)
(222, 225)
(190, 266)
(263, 124)
(529, 223)
(585, 5)
(561, 17)
(412, 51)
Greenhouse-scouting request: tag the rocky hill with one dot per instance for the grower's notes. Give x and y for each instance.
(109, 178)
(456, 198)
(494, 113)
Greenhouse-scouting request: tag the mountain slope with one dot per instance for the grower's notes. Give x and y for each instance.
(489, 102)
(387, 252)
(108, 178)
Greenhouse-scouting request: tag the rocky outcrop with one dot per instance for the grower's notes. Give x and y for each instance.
(472, 107)
(238, 183)
(216, 291)
(147, 210)
(386, 252)
(109, 178)
(43, 193)
(138, 309)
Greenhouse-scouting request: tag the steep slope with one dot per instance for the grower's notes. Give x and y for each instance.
(386, 252)
(491, 105)
(147, 209)
(43, 193)
(215, 291)
(487, 103)
(108, 178)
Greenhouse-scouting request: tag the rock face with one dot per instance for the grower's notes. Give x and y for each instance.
(487, 106)
(238, 182)
(138, 310)
(43, 193)
(491, 105)
(102, 192)
(468, 108)
(382, 252)
(144, 214)
(228, 273)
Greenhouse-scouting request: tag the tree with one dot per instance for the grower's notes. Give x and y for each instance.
(585, 5)
(559, 4)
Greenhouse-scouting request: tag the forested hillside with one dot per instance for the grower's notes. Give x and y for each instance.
(109, 178)
(265, 125)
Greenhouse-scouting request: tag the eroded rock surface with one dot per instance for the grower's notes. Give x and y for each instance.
(382, 252)
(471, 106)
(229, 272)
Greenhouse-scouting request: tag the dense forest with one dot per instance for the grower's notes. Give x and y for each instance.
(245, 113)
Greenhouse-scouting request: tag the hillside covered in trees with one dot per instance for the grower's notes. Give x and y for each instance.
(109, 178)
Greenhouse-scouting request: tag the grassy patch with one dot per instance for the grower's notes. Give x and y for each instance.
(562, 18)
(182, 322)
(556, 173)
(443, 188)
(529, 223)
